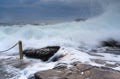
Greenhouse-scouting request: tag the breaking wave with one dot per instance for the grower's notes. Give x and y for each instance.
(69, 35)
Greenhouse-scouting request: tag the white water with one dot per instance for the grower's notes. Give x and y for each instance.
(69, 36)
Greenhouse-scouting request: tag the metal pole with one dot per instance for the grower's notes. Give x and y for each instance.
(20, 49)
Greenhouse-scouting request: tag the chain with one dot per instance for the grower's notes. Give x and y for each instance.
(9, 48)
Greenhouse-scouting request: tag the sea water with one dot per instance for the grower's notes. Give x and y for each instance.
(71, 36)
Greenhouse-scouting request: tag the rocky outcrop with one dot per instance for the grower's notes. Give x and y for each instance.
(110, 43)
(80, 19)
(78, 71)
(43, 53)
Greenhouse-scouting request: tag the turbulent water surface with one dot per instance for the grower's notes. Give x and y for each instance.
(75, 38)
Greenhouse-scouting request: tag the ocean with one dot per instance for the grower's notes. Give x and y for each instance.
(76, 40)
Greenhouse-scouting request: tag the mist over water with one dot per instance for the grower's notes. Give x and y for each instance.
(69, 35)
(90, 32)
(30, 11)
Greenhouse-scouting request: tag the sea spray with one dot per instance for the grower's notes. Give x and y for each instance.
(72, 36)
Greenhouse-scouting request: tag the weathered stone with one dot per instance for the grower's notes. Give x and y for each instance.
(42, 53)
(80, 71)
(83, 66)
(49, 74)
(97, 73)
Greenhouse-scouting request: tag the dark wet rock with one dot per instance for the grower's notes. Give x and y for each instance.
(80, 19)
(80, 71)
(42, 53)
(105, 68)
(32, 77)
(60, 66)
(109, 46)
(110, 43)
(113, 51)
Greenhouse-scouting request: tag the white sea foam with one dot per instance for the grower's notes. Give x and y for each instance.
(70, 36)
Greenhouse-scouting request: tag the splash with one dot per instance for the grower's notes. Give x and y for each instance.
(69, 35)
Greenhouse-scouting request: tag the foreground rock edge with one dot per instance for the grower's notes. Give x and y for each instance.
(78, 71)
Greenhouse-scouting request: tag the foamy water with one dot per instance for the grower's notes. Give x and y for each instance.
(71, 36)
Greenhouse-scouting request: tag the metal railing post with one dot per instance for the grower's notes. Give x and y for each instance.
(20, 49)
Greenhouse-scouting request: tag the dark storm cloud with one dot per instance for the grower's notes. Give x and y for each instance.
(42, 10)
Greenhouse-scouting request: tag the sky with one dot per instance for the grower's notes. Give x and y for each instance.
(51, 10)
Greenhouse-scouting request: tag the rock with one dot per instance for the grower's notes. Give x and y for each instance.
(80, 71)
(82, 66)
(42, 53)
(32, 77)
(49, 74)
(80, 19)
(110, 43)
(60, 66)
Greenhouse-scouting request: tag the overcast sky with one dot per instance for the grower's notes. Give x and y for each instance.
(50, 10)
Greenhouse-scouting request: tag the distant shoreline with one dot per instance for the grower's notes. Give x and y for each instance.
(39, 23)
